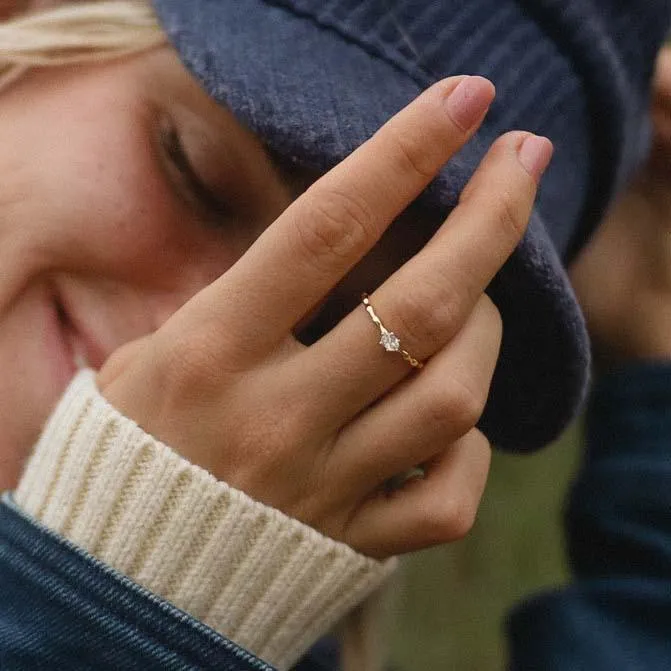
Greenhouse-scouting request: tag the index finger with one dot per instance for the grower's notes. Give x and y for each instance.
(326, 231)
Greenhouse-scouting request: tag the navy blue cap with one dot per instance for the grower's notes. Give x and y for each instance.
(315, 78)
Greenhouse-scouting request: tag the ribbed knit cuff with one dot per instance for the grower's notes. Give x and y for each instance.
(262, 579)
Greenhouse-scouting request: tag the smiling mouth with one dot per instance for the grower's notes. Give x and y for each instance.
(74, 341)
(79, 358)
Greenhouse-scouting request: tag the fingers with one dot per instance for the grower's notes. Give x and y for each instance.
(431, 296)
(661, 110)
(313, 244)
(662, 79)
(425, 512)
(428, 300)
(434, 408)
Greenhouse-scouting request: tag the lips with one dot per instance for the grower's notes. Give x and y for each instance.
(59, 353)
(76, 343)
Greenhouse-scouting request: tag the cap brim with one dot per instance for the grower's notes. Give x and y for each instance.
(301, 87)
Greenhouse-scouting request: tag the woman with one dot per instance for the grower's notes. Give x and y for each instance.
(112, 287)
(140, 140)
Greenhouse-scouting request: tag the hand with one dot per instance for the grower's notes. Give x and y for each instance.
(317, 431)
(623, 276)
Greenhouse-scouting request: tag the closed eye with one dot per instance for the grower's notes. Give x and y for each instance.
(173, 147)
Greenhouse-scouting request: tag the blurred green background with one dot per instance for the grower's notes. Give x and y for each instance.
(448, 607)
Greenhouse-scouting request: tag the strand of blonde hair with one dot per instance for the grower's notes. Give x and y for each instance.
(77, 32)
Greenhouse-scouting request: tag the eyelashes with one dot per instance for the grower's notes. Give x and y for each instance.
(197, 189)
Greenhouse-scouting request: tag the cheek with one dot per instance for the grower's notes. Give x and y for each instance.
(107, 205)
(28, 391)
(103, 186)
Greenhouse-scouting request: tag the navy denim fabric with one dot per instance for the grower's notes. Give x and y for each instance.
(62, 609)
(315, 78)
(616, 616)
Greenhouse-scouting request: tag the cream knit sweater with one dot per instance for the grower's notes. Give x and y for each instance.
(264, 580)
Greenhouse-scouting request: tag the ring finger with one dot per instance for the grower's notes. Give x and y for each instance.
(433, 409)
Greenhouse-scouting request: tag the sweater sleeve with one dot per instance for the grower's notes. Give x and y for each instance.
(616, 614)
(264, 580)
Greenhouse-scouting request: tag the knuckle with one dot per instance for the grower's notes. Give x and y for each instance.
(461, 519)
(492, 313)
(437, 414)
(411, 156)
(490, 318)
(483, 448)
(341, 227)
(451, 521)
(189, 362)
(464, 404)
(453, 410)
(427, 316)
(120, 359)
(509, 215)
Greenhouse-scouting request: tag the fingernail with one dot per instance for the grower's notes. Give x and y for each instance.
(469, 101)
(535, 154)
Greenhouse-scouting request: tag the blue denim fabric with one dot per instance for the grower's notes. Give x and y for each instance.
(62, 609)
(616, 615)
(315, 78)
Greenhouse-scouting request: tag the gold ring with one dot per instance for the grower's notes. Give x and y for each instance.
(388, 339)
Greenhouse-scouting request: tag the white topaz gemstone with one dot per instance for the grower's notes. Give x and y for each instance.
(390, 342)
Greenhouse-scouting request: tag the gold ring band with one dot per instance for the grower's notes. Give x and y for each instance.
(388, 339)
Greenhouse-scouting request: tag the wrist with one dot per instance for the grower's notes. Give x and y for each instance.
(264, 580)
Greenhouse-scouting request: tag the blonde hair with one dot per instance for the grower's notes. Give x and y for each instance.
(77, 32)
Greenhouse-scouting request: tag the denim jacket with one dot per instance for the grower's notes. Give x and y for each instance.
(60, 608)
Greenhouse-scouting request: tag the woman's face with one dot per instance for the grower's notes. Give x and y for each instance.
(125, 190)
